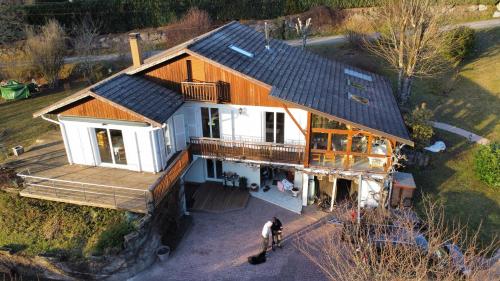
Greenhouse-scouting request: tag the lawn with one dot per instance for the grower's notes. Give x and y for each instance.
(16, 117)
(468, 98)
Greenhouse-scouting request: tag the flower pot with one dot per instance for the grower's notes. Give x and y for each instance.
(254, 187)
(295, 191)
(163, 252)
(18, 150)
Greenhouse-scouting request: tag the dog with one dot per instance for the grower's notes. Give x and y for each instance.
(258, 259)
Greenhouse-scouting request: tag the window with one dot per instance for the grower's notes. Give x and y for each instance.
(110, 146)
(214, 169)
(275, 127)
(319, 141)
(357, 98)
(339, 142)
(357, 74)
(189, 69)
(210, 122)
(325, 123)
(241, 51)
(359, 143)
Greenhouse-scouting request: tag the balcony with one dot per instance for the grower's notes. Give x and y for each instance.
(243, 150)
(215, 92)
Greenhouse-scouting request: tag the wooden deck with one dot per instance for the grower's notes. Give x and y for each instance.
(48, 176)
(213, 197)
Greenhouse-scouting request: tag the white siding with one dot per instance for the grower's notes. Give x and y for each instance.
(196, 172)
(252, 173)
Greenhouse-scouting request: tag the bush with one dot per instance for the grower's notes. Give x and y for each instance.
(112, 238)
(486, 164)
(459, 43)
(419, 122)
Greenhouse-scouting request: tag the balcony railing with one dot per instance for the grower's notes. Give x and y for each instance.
(205, 91)
(272, 152)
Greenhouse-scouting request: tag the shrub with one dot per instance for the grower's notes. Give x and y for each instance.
(46, 49)
(459, 43)
(112, 238)
(486, 164)
(420, 125)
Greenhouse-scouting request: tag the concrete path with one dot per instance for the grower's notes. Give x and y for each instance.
(338, 39)
(217, 247)
(461, 132)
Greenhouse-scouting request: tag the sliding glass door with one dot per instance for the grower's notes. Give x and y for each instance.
(110, 146)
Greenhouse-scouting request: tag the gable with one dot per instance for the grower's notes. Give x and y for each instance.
(92, 107)
(242, 91)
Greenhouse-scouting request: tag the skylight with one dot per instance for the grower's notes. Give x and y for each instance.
(241, 51)
(356, 74)
(357, 98)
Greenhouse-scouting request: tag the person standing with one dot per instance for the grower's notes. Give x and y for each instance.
(266, 232)
(277, 231)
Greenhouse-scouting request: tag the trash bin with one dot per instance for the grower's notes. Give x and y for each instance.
(163, 252)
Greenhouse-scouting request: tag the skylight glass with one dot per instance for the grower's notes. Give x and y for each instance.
(241, 51)
(357, 98)
(356, 74)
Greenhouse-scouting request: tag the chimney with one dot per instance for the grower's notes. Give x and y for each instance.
(266, 30)
(134, 49)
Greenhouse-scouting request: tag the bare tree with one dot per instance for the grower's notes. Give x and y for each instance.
(46, 49)
(85, 37)
(394, 246)
(410, 40)
(303, 30)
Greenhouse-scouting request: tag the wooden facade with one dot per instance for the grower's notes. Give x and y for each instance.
(242, 90)
(92, 107)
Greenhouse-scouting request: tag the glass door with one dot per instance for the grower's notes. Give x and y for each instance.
(214, 169)
(110, 146)
(275, 127)
(210, 122)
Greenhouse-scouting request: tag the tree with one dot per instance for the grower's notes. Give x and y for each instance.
(419, 122)
(410, 39)
(350, 251)
(303, 30)
(46, 49)
(11, 24)
(85, 36)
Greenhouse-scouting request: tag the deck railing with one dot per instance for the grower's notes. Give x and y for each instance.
(99, 195)
(205, 91)
(160, 188)
(272, 152)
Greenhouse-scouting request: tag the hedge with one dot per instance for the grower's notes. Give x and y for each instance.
(123, 15)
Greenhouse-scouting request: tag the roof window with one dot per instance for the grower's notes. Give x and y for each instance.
(356, 84)
(357, 98)
(356, 74)
(241, 51)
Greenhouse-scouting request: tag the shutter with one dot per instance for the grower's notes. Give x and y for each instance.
(180, 133)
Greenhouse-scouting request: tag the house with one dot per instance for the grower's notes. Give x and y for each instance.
(231, 104)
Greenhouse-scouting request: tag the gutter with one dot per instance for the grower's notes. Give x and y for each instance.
(50, 120)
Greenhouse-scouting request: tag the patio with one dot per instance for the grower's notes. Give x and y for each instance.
(217, 246)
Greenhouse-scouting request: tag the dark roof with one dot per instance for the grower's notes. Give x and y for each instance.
(306, 79)
(140, 95)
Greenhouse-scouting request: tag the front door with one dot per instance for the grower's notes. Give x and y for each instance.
(110, 146)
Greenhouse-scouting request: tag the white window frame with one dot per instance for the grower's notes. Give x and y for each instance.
(274, 126)
(98, 153)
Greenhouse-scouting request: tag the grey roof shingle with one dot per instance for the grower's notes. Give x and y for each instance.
(306, 79)
(140, 95)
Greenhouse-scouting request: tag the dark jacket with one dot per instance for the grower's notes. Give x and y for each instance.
(277, 226)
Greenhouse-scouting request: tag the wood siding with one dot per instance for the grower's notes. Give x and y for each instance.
(92, 107)
(242, 91)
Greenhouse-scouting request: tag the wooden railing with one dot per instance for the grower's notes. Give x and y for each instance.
(284, 153)
(170, 176)
(205, 91)
(82, 193)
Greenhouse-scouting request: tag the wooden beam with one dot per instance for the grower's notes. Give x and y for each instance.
(294, 120)
(308, 140)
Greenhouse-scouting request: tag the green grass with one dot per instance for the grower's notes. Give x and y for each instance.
(16, 117)
(37, 226)
(468, 98)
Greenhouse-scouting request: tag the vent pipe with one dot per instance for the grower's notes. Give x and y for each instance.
(135, 49)
(266, 31)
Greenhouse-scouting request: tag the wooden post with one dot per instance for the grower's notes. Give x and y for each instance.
(308, 141)
(334, 193)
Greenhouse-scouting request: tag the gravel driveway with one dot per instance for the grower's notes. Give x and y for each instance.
(217, 246)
